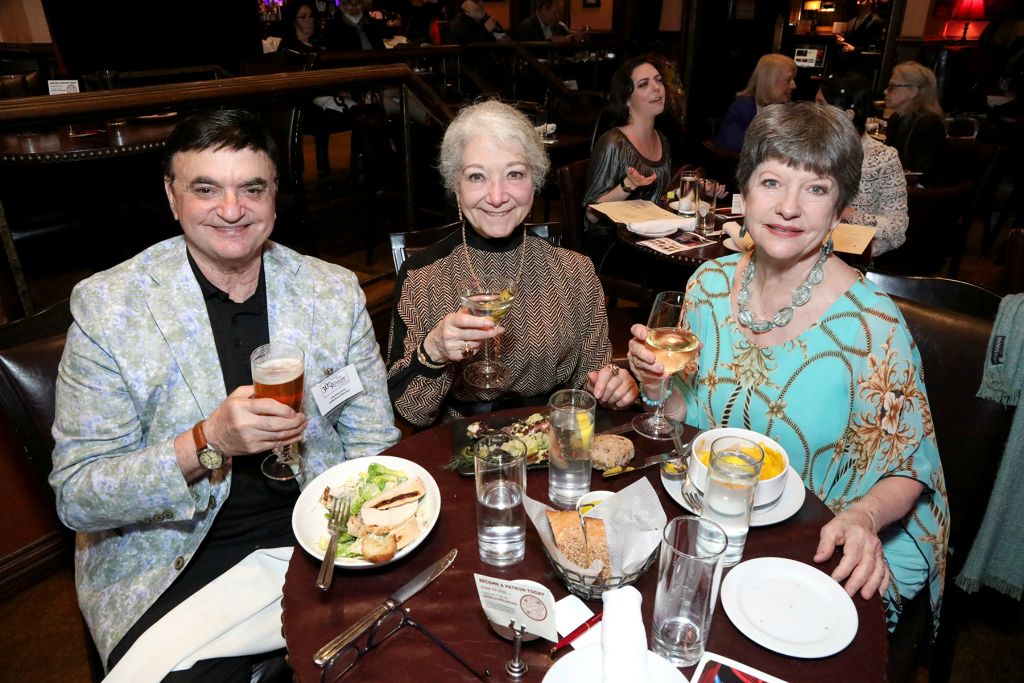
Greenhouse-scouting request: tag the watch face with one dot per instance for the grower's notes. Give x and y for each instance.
(210, 459)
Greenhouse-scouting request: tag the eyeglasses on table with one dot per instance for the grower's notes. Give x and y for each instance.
(385, 627)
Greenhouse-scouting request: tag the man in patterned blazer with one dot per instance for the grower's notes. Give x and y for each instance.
(156, 373)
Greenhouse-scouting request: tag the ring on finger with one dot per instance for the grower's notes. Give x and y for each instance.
(466, 350)
(613, 368)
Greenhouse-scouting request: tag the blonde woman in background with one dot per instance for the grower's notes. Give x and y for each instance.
(917, 127)
(773, 82)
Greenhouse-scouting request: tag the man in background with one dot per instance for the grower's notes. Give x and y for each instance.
(545, 24)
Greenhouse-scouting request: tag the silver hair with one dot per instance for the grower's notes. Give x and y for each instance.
(500, 123)
(809, 136)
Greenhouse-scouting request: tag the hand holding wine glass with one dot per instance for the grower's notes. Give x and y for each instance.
(658, 351)
(489, 297)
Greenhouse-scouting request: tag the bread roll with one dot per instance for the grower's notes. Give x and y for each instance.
(610, 450)
(597, 545)
(568, 533)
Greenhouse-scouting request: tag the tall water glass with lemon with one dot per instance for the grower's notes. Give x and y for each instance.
(572, 433)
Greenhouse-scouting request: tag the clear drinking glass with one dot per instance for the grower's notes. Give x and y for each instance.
(689, 574)
(688, 182)
(278, 372)
(492, 298)
(707, 201)
(499, 465)
(572, 433)
(675, 346)
(733, 472)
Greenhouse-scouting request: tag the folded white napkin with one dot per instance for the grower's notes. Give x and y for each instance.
(623, 638)
(270, 44)
(546, 128)
(238, 613)
(732, 229)
(661, 226)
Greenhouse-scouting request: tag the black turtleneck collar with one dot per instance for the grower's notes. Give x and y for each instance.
(496, 244)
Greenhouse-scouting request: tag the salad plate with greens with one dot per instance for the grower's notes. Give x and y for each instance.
(394, 505)
(531, 430)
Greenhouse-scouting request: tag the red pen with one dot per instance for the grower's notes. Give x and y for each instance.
(577, 632)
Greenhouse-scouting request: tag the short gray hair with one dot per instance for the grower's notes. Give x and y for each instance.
(809, 136)
(496, 121)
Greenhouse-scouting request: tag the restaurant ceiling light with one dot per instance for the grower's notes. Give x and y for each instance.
(812, 5)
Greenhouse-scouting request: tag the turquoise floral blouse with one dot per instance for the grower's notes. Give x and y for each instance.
(847, 401)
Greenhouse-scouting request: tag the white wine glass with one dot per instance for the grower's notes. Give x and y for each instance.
(278, 372)
(490, 297)
(674, 346)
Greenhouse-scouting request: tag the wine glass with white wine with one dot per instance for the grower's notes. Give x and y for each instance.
(490, 297)
(674, 346)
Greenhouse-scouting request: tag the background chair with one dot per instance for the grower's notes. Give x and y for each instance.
(30, 352)
(951, 323)
(937, 223)
(979, 163)
(405, 243)
(720, 164)
(962, 128)
(572, 183)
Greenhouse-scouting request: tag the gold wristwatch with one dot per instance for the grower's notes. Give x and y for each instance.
(209, 457)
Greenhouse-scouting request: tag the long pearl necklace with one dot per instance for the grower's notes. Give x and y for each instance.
(782, 317)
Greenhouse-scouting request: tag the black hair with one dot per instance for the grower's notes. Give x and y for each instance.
(216, 129)
(621, 87)
(850, 91)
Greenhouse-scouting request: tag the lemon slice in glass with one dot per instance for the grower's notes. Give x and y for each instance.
(586, 426)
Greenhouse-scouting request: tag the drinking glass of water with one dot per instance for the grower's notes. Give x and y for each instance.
(689, 573)
(572, 432)
(733, 471)
(499, 465)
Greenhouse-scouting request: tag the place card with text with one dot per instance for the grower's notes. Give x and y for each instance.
(527, 603)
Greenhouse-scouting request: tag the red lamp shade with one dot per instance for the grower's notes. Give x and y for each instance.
(969, 10)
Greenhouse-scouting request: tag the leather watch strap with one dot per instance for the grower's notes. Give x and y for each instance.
(198, 436)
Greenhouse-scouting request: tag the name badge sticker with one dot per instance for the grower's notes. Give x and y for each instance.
(336, 388)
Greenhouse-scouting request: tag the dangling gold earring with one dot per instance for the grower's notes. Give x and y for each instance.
(459, 207)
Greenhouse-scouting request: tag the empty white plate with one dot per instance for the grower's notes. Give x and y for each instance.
(789, 607)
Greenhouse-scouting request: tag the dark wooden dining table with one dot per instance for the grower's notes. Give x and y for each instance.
(450, 607)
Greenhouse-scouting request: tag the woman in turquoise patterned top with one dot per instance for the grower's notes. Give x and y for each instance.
(796, 345)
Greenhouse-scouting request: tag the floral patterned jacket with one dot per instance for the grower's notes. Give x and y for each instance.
(139, 367)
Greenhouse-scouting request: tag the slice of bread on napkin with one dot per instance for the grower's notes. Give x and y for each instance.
(579, 547)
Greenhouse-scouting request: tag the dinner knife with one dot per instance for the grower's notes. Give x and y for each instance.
(329, 651)
(645, 463)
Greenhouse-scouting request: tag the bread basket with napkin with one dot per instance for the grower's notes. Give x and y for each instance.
(620, 539)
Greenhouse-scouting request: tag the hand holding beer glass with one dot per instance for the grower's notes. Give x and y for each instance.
(278, 372)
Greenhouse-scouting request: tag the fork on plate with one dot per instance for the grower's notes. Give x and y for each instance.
(336, 522)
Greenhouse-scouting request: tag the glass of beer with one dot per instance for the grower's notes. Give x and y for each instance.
(278, 372)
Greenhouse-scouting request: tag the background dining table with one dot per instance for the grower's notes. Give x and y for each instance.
(450, 607)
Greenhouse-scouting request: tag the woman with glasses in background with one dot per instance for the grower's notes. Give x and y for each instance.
(881, 200)
(917, 127)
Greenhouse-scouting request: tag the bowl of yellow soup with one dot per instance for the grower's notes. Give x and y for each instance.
(773, 469)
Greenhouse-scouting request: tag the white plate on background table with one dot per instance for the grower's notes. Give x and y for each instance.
(586, 664)
(789, 607)
(309, 517)
(784, 507)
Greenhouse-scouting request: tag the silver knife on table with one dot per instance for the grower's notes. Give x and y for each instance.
(644, 463)
(329, 651)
